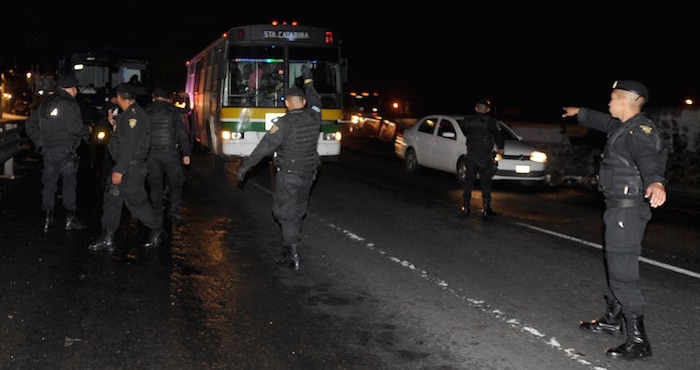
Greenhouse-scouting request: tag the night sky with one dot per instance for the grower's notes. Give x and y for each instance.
(529, 60)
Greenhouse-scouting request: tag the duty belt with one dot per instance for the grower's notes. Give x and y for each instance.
(623, 203)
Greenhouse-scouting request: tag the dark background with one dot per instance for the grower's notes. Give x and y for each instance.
(531, 61)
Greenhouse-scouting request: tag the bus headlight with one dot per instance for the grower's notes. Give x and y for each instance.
(332, 136)
(228, 135)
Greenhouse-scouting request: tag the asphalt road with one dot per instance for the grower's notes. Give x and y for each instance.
(391, 278)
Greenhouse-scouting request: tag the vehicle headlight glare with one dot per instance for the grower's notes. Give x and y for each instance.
(538, 156)
(332, 136)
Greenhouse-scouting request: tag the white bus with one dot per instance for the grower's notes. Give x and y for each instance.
(237, 84)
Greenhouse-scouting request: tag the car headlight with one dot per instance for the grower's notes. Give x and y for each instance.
(101, 135)
(538, 156)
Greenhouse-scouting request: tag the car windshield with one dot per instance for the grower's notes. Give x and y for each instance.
(507, 132)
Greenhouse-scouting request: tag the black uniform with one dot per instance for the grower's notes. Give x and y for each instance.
(632, 160)
(294, 136)
(483, 132)
(168, 137)
(129, 147)
(56, 128)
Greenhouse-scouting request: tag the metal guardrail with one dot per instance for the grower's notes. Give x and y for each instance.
(10, 145)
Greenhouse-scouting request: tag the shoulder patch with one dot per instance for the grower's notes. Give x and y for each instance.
(274, 129)
(132, 122)
(646, 129)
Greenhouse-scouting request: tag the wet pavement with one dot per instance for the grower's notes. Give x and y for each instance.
(211, 297)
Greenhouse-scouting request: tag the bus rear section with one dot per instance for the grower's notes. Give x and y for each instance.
(237, 87)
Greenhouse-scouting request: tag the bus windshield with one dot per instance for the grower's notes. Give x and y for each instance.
(257, 75)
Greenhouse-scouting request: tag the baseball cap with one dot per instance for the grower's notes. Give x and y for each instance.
(632, 86)
(160, 92)
(485, 102)
(67, 81)
(295, 91)
(126, 91)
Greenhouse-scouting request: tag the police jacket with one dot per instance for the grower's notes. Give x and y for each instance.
(168, 130)
(131, 139)
(483, 132)
(295, 138)
(634, 156)
(56, 125)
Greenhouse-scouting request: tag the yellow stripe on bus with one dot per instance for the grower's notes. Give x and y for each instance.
(258, 114)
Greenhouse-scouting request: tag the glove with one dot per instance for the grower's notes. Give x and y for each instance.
(306, 73)
(240, 174)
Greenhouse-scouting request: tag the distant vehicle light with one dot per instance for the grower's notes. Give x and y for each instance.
(226, 135)
(101, 135)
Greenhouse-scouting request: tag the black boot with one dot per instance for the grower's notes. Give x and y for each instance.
(176, 217)
(156, 238)
(49, 222)
(487, 212)
(105, 242)
(293, 258)
(465, 209)
(610, 322)
(637, 345)
(73, 223)
(284, 257)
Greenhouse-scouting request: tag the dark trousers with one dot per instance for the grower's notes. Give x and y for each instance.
(484, 166)
(624, 230)
(290, 203)
(164, 164)
(63, 165)
(132, 193)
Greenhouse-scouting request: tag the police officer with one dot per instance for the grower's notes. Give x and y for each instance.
(631, 178)
(57, 129)
(129, 148)
(295, 138)
(168, 137)
(483, 133)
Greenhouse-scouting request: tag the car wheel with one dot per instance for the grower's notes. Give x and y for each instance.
(411, 161)
(461, 169)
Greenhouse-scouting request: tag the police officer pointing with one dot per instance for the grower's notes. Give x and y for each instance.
(57, 128)
(295, 138)
(168, 137)
(129, 148)
(632, 180)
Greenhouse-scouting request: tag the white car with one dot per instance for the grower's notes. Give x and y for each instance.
(438, 142)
